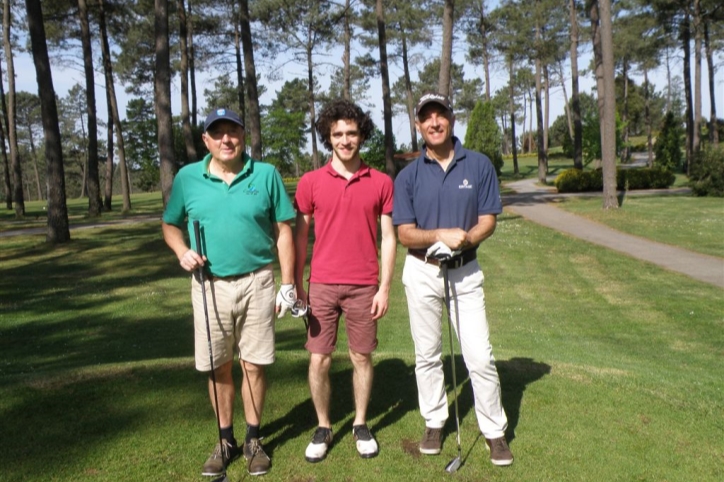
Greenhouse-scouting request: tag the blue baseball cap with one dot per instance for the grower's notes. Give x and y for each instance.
(222, 114)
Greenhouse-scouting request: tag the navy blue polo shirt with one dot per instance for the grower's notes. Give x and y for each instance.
(431, 198)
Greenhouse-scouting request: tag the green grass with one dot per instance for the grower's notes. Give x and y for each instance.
(610, 370)
(142, 204)
(685, 221)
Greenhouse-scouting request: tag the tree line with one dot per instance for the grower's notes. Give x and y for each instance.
(51, 145)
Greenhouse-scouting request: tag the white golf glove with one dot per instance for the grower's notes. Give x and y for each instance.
(441, 251)
(286, 298)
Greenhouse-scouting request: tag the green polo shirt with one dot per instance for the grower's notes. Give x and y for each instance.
(237, 220)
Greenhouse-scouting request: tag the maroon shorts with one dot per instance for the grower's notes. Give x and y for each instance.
(328, 302)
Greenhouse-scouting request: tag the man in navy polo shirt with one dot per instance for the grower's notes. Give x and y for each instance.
(449, 195)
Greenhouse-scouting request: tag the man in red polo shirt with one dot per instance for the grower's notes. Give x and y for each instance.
(346, 198)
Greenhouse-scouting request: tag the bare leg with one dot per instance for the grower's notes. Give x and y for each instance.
(225, 391)
(253, 391)
(362, 383)
(319, 386)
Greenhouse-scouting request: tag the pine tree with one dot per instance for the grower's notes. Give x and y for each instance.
(483, 134)
(668, 144)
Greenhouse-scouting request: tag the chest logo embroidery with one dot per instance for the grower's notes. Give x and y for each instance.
(465, 185)
(251, 190)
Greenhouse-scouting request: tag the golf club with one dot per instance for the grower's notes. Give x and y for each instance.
(455, 463)
(197, 235)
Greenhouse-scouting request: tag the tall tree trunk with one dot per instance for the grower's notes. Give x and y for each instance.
(113, 108)
(685, 44)
(485, 53)
(566, 100)
(408, 91)
(547, 112)
(12, 119)
(386, 98)
(108, 195)
(58, 230)
(444, 79)
(624, 113)
(647, 115)
(6, 161)
(92, 177)
(696, 141)
(239, 71)
(575, 98)
(162, 91)
(511, 98)
(711, 68)
(312, 111)
(188, 133)
(608, 121)
(542, 156)
(192, 65)
(252, 92)
(34, 159)
(346, 56)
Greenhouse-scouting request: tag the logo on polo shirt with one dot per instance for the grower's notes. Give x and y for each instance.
(251, 190)
(465, 185)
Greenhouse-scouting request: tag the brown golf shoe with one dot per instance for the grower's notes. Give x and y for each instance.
(500, 453)
(258, 461)
(431, 442)
(220, 458)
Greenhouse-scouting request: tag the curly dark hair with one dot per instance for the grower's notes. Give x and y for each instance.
(343, 109)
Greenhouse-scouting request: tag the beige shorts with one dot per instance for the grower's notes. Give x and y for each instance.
(241, 317)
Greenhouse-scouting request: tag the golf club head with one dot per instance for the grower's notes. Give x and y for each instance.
(454, 465)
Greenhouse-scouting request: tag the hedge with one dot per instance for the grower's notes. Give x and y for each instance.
(576, 180)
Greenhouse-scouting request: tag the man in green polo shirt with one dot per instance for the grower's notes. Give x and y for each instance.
(243, 211)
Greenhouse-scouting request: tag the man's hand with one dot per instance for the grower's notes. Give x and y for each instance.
(286, 298)
(191, 261)
(440, 251)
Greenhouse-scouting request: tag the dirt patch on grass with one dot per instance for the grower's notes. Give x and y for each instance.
(411, 447)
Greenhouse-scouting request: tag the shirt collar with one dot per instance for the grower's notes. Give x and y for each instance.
(246, 170)
(459, 152)
(364, 170)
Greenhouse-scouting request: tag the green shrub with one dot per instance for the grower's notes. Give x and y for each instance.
(575, 180)
(569, 180)
(669, 142)
(707, 172)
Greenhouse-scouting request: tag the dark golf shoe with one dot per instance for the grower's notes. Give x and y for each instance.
(219, 459)
(258, 461)
(431, 442)
(500, 453)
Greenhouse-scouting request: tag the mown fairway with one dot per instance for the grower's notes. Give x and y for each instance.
(610, 370)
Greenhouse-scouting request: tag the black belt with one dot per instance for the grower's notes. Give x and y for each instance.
(453, 263)
(230, 278)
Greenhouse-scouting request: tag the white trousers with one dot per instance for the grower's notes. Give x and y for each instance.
(425, 292)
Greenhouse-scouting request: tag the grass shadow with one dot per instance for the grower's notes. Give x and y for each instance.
(515, 375)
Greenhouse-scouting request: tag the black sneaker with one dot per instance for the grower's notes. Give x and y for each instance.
(258, 461)
(366, 444)
(317, 448)
(220, 459)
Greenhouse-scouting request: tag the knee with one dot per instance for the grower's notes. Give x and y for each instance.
(252, 370)
(360, 360)
(320, 363)
(222, 373)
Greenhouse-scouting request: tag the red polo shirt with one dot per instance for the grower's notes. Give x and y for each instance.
(345, 216)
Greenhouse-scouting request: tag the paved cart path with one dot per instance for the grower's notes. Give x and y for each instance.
(533, 202)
